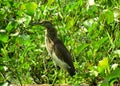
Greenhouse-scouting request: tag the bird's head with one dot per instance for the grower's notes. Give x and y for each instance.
(51, 31)
(47, 24)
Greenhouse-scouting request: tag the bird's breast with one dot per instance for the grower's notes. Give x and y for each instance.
(49, 45)
(59, 62)
(50, 48)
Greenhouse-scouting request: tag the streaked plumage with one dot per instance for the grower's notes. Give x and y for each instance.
(57, 49)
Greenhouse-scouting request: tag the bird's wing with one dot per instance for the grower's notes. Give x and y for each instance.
(62, 52)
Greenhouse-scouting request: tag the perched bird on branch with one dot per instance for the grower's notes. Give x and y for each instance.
(57, 49)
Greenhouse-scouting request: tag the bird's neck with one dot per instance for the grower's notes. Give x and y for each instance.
(51, 34)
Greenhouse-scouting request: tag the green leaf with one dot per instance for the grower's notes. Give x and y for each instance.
(80, 48)
(3, 38)
(50, 2)
(107, 16)
(71, 22)
(105, 83)
(98, 43)
(9, 26)
(24, 40)
(21, 59)
(111, 78)
(111, 40)
(114, 74)
(29, 8)
(103, 64)
(1, 68)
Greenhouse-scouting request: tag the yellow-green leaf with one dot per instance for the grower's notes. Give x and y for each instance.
(70, 22)
(103, 64)
(29, 8)
(50, 2)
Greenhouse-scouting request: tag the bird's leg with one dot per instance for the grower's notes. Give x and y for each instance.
(65, 76)
(56, 73)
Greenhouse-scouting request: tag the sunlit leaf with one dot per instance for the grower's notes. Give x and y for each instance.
(103, 64)
(116, 14)
(108, 16)
(23, 6)
(50, 2)
(70, 22)
(117, 52)
(25, 20)
(91, 2)
(29, 8)
(3, 37)
(114, 66)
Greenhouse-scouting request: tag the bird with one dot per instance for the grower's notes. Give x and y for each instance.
(56, 48)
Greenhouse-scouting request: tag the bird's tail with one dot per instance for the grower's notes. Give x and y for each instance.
(71, 71)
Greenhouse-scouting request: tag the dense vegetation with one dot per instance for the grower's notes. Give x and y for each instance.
(90, 31)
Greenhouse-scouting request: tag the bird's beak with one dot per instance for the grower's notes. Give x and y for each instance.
(41, 23)
(34, 23)
(37, 23)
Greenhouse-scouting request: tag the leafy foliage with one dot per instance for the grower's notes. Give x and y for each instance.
(89, 29)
